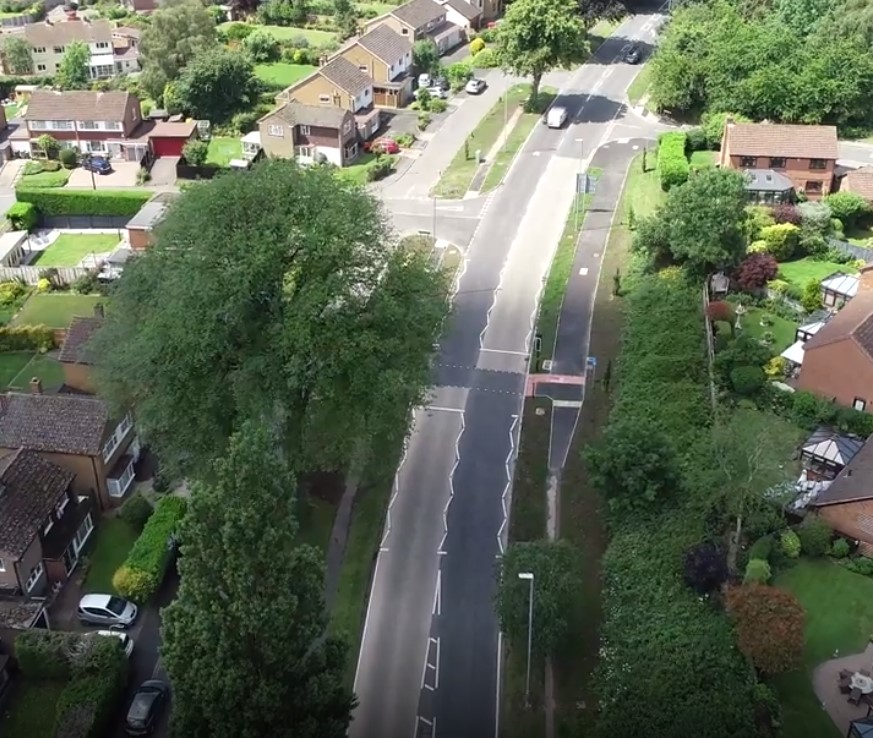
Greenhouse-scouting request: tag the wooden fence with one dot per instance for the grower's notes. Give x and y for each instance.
(58, 276)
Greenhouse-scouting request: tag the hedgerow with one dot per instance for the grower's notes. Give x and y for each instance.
(59, 201)
(672, 162)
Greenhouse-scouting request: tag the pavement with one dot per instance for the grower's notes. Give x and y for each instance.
(430, 655)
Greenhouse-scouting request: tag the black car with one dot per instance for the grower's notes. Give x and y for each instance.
(97, 164)
(146, 707)
(441, 82)
(632, 54)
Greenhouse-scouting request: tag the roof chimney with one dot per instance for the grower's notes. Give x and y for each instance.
(36, 386)
(98, 310)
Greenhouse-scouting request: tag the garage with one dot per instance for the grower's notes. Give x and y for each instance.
(168, 139)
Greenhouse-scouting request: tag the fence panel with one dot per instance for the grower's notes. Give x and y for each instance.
(60, 276)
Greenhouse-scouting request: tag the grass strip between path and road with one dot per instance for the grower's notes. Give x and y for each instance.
(524, 124)
(581, 514)
(456, 179)
(640, 85)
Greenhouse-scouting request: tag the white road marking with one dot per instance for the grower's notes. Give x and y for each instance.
(501, 351)
(364, 632)
(566, 403)
(583, 272)
(497, 701)
(444, 409)
(437, 599)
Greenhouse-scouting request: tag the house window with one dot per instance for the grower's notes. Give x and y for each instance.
(306, 152)
(818, 164)
(352, 151)
(777, 162)
(305, 130)
(35, 574)
(49, 524)
(277, 130)
(324, 99)
(813, 186)
(62, 125)
(112, 125)
(859, 404)
(102, 45)
(404, 31)
(82, 534)
(58, 49)
(39, 49)
(748, 162)
(95, 147)
(363, 68)
(347, 126)
(88, 125)
(40, 67)
(61, 506)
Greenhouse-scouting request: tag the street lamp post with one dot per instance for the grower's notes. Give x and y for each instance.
(529, 577)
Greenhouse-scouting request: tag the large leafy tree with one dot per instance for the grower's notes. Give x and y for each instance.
(555, 566)
(17, 54)
(215, 84)
(275, 293)
(539, 35)
(73, 71)
(244, 641)
(596, 10)
(179, 30)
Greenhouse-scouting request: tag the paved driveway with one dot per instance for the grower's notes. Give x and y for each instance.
(123, 175)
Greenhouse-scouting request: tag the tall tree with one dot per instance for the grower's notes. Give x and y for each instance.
(73, 71)
(215, 84)
(17, 55)
(178, 31)
(597, 10)
(426, 55)
(244, 641)
(539, 35)
(275, 293)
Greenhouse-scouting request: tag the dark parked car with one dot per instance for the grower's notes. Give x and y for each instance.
(632, 54)
(97, 164)
(441, 82)
(145, 709)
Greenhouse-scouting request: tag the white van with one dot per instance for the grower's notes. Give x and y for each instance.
(556, 117)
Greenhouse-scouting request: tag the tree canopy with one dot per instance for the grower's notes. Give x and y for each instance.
(73, 71)
(243, 642)
(215, 84)
(17, 53)
(274, 293)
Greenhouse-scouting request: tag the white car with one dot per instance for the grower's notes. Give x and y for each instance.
(475, 86)
(126, 640)
(437, 92)
(556, 117)
(424, 79)
(104, 609)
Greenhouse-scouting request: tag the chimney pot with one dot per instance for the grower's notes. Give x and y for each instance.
(98, 310)
(36, 386)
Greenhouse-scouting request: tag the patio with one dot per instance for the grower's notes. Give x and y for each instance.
(827, 679)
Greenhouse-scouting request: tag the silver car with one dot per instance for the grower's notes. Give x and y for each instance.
(104, 609)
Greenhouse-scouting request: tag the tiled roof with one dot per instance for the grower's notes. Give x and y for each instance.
(854, 482)
(784, 141)
(469, 11)
(385, 44)
(127, 31)
(346, 75)
(77, 105)
(78, 334)
(417, 13)
(298, 114)
(30, 487)
(67, 424)
(859, 181)
(65, 32)
(853, 321)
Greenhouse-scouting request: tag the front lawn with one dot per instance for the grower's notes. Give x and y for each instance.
(281, 74)
(46, 179)
(56, 310)
(282, 33)
(30, 712)
(803, 271)
(839, 620)
(112, 542)
(69, 249)
(222, 149)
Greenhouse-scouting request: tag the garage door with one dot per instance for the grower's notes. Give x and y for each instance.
(167, 146)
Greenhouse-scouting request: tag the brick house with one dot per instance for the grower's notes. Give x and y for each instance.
(806, 155)
(76, 432)
(43, 524)
(838, 359)
(386, 58)
(418, 20)
(310, 133)
(859, 181)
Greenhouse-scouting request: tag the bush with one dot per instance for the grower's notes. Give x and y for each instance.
(262, 46)
(44, 284)
(755, 271)
(136, 511)
(696, 140)
(458, 74)
(423, 121)
(815, 536)
(44, 654)
(840, 548)
(847, 206)
(777, 368)
(476, 45)
(438, 106)
(380, 168)
(757, 572)
(143, 570)
(23, 216)
(486, 59)
(747, 380)
(237, 31)
(87, 284)
(26, 338)
(713, 126)
(405, 140)
(761, 549)
(69, 158)
(106, 203)
(781, 240)
(195, 152)
(815, 216)
(790, 544)
(672, 163)
(811, 299)
(50, 165)
(11, 292)
(861, 565)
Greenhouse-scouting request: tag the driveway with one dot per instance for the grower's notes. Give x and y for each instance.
(123, 175)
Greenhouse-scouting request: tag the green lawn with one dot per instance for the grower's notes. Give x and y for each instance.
(456, 179)
(281, 74)
(860, 235)
(11, 110)
(70, 248)
(515, 140)
(378, 8)
(639, 86)
(46, 179)
(30, 712)
(113, 540)
(222, 149)
(315, 38)
(783, 330)
(11, 365)
(38, 366)
(839, 618)
(56, 309)
(802, 271)
(702, 159)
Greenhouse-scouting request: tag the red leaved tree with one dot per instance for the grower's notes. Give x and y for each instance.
(769, 624)
(720, 310)
(786, 213)
(755, 271)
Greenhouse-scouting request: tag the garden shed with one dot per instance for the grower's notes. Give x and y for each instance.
(827, 452)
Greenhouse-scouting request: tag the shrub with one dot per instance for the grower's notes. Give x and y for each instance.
(840, 548)
(811, 299)
(438, 106)
(476, 45)
(458, 74)
(762, 548)
(423, 121)
(747, 380)
(11, 292)
(672, 163)
(380, 168)
(847, 206)
(44, 284)
(237, 31)
(44, 654)
(405, 140)
(776, 368)
(142, 572)
(790, 544)
(815, 536)
(760, 217)
(713, 126)
(86, 284)
(51, 165)
(136, 511)
(781, 240)
(757, 247)
(107, 203)
(815, 215)
(69, 158)
(244, 121)
(837, 227)
(786, 213)
(861, 565)
(696, 139)
(779, 286)
(705, 568)
(757, 572)
(26, 338)
(755, 271)
(262, 46)
(486, 59)
(23, 216)
(195, 152)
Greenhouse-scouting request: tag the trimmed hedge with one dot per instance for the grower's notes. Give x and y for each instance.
(143, 571)
(23, 216)
(58, 201)
(26, 338)
(45, 654)
(672, 162)
(136, 511)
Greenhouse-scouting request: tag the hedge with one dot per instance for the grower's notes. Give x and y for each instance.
(666, 654)
(26, 338)
(136, 511)
(46, 654)
(23, 216)
(9, 83)
(810, 411)
(146, 564)
(672, 162)
(58, 201)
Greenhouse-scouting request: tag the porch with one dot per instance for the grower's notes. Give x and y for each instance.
(251, 145)
(393, 94)
(368, 123)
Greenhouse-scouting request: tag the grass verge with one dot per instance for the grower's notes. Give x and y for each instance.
(515, 140)
(456, 179)
(30, 712)
(283, 33)
(113, 540)
(56, 309)
(640, 85)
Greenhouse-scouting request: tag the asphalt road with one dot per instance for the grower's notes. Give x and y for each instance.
(429, 662)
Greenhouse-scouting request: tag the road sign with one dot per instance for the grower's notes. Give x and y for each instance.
(585, 185)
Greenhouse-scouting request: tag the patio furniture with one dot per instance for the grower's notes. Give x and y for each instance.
(865, 672)
(861, 682)
(845, 686)
(845, 673)
(855, 696)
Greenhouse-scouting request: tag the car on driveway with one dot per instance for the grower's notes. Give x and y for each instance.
(125, 640)
(97, 164)
(437, 92)
(632, 54)
(442, 83)
(104, 609)
(149, 701)
(475, 86)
